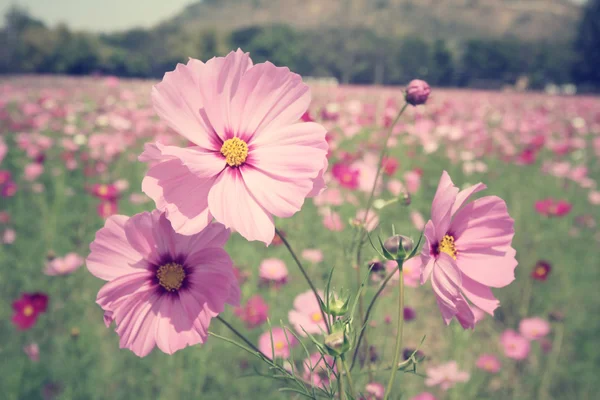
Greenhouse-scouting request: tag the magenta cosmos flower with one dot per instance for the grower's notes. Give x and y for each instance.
(251, 159)
(467, 251)
(163, 288)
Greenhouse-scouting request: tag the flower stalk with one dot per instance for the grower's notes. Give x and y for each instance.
(398, 348)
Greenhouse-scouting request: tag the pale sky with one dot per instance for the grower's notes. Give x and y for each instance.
(100, 15)
(105, 15)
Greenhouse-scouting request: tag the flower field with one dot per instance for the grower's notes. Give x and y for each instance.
(69, 163)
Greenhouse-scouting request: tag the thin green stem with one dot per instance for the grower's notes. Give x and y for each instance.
(369, 309)
(340, 380)
(241, 336)
(398, 350)
(349, 376)
(552, 362)
(312, 287)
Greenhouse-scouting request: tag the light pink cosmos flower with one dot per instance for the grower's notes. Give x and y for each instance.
(9, 236)
(423, 396)
(375, 391)
(332, 220)
(254, 313)
(372, 219)
(446, 375)
(163, 288)
(251, 158)
(32, 171)
(467, 251)
(33, 351)
(306, 315)
(417, 220)
(64, 265)
(3, 150)
(534, 328)
(273, 270)
(315, 256)
(282, 343)
(515, 346)
(489, 363)
(319, 369)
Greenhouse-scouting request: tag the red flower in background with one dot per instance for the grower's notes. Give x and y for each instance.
(553, 208)
(105, 191)
(541, 271)
(27, 309)
(390, 165)
(254, 313)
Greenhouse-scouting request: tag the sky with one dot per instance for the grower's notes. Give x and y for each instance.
(104, 15)
(100, 15)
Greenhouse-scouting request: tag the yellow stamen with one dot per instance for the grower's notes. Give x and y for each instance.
(235, 151)
(28, 311)
(316, 317)
(102, 190)
(171, 276)
(540, 271)
(447, 246)
(279, 345)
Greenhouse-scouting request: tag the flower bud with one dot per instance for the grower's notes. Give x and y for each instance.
(417, 92)
(337, 306)
(338, 341)
(398, 246)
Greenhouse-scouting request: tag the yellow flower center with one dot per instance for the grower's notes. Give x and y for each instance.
(540, 271)
(170, 276)
(28, 311)
(447, 246)
(316, 317)
(489, 365)
(279, 345)
(102, 190)
(235, 151)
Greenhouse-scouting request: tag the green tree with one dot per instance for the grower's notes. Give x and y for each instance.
(587, 45)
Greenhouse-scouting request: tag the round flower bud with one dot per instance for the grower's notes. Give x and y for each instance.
(398, 246)
(417, 92)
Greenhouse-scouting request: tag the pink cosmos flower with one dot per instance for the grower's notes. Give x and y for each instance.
(3, 150)
(273, 270)
(282, 343)
(372, 219)
(254, 313)
(318, 370)
(411, 271)
(163, 288)
(413, 181)
(553, 208)
(332, 220)
(9, 236)
(534, 328)
(345, 175)
(375, 391)
(446, 375)
(314, 256)
(417, 220)
(306, 315)
(63, 266)
(33, 351)
(467, 251)
(251, 158)
(489, 363)
(32, 171)
(424, 396)
(594, 197)
(515, 345)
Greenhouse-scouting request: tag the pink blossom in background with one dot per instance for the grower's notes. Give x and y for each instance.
(32, 171)
(417, 220)
(390, 165)
(515, 346)
(329, 197)
(273, 270)
(346, 176)
(282, 343)
(64, 265)
(138, 198)
(489, 363)
(412, 180)
(184, 280)
(8, 236)
(467, 251)
(424, 396)
(534, 328)
(594, 197)
(33, 351)
(314, 256)
(332, 220)
(446, 375)
(107, 208)
(252, 159)
(374, 391)
(107, 192)
(3, 150)
(411, 270)
(254, 313)
(318, 370)
(396, 187)
(553, 208)
(306, 314)
(372, 219)
(121, 185)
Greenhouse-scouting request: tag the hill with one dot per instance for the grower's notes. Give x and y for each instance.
(450, 19)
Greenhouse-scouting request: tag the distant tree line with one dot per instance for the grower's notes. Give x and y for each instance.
(352, 55)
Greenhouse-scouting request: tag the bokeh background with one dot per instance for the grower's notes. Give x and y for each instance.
(514, 105)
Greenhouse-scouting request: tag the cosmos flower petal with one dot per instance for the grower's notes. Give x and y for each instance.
(276, 96)
(110, 254)
(483, 223)
(489, 268)
(174, 328)
(464, 195)
(232, 204)
(479, 294)
(441, 207)
(177, 100)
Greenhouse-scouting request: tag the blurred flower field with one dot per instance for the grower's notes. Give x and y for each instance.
(68, 160)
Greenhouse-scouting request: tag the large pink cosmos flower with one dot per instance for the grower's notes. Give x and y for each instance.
(467, 251)
(163, 288)
(251, 158)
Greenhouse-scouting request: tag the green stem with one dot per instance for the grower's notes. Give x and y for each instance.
(369, 309)
(241, 336)
(312, 287)
(398, 350)
(552, 362)
(340, 380)
(349, 376)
